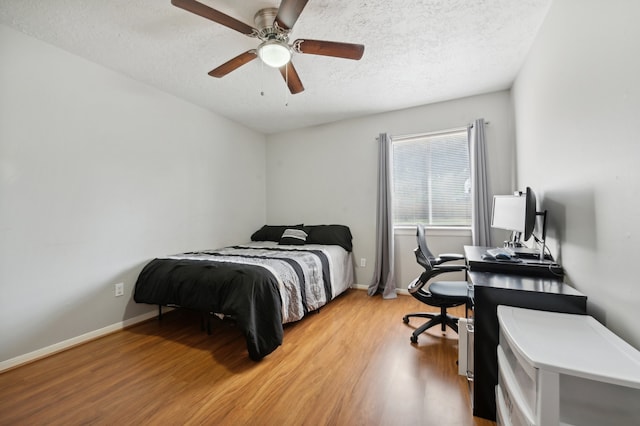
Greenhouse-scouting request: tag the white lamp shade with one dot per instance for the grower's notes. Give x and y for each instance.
(274, 53)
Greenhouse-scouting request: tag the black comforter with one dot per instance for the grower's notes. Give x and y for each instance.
(245, 292)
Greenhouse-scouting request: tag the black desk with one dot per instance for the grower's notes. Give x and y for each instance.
(546, 293)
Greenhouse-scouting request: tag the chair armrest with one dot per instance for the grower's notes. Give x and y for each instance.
(448, 257)
(451, 268)
(440, 269)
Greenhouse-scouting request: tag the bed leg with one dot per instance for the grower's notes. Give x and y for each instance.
(159, 312)
(205, 322)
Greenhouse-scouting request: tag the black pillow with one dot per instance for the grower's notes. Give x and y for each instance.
(296, 237)
(272, 232)
(330, 235)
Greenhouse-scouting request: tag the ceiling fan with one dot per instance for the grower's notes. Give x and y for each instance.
(273, 28)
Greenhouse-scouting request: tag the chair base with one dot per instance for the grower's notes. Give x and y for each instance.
(443, 318)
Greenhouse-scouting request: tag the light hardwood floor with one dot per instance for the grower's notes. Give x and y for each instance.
(350, 364)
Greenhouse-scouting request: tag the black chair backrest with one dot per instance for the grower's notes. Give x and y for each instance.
(424, 256)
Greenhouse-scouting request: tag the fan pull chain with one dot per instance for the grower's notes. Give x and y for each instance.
(261, 78)
(286, 92)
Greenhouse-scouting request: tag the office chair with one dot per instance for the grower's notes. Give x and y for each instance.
(441, 294)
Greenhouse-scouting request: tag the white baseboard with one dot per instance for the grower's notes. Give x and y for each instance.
(402, 291)
(74, 341)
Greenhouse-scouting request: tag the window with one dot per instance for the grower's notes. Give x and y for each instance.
(431, 181)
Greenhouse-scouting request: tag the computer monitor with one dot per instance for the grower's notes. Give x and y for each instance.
(515, 213)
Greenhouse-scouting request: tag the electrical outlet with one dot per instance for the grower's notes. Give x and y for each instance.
(119, 289)
(363, 262)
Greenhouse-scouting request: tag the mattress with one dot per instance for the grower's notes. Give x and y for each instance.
(262, 285)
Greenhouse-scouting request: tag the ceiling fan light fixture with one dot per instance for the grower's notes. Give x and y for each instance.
(274, 53)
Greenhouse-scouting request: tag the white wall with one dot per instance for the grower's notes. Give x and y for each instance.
(99, 174)
(577, 106)
(328, 174)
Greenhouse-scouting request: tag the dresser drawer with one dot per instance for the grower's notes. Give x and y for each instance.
(509, 412)
(502, 418)
(517, 390)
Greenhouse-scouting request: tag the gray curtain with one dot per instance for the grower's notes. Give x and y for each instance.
(480, 200)
(383, 275)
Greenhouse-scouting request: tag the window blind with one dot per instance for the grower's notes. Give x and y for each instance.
(431, 180)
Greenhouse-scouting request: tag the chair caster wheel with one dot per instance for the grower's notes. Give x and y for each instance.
(414, 339)
(405, 320)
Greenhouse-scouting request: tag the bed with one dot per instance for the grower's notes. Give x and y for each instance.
(284, 273)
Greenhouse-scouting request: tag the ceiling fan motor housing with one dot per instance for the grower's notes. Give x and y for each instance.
(267, 28)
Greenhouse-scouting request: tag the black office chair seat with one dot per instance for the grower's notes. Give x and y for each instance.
(450, 290)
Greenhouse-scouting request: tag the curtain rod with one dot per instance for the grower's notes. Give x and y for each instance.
(486, 123)
(405, 138)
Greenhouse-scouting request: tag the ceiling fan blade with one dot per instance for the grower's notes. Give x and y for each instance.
(234, 63)
(212, 14)
(329, 48)
(292, 78)
(288, 13)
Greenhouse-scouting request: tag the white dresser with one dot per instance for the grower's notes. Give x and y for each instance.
(564, 369)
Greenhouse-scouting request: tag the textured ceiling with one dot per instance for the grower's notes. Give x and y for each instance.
(416, 52)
